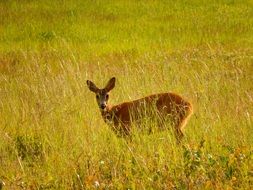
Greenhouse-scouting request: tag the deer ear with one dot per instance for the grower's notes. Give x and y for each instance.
(92, 86)
(110, 85)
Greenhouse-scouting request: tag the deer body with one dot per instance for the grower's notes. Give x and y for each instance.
(162, 106)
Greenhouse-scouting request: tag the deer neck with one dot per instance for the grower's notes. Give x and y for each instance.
(107, 113)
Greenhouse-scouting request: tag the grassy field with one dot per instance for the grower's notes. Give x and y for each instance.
(51, 133)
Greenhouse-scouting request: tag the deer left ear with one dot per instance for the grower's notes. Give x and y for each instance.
(110, 85)
(92, 86)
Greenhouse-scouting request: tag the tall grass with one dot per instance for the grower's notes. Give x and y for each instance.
(51, 133)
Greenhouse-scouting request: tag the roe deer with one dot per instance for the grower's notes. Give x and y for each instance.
(165, 105)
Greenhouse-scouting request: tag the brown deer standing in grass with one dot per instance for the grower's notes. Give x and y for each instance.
(164, 105)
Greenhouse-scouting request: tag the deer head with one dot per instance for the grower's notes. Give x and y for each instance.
(102, 95)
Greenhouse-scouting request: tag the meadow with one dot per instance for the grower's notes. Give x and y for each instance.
(52, 135)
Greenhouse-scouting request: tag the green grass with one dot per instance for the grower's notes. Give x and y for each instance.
(51, 133)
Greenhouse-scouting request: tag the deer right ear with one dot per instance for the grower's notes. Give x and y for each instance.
(92, 86)
(110, 85)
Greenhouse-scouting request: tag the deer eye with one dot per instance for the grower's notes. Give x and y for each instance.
(107, 96)
(97, 96)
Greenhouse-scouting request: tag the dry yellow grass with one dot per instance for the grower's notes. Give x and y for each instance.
(51, 133)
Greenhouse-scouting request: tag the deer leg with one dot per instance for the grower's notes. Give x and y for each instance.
(125, 129)
(178, 130)
(179, 135)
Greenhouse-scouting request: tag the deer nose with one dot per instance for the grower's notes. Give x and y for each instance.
(103, 106)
